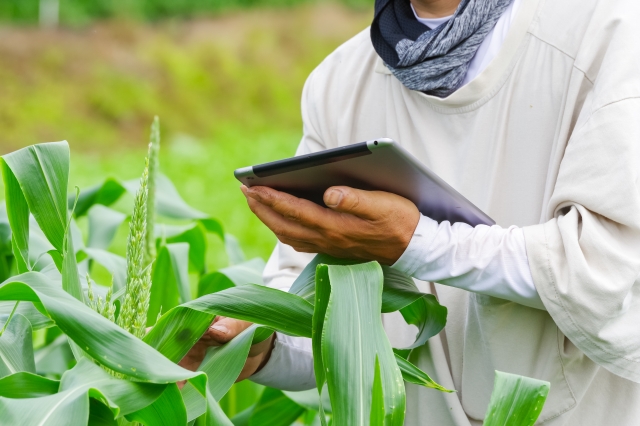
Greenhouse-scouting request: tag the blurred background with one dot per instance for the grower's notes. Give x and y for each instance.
(224, 76)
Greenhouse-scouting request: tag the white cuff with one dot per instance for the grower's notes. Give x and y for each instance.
(290, 366)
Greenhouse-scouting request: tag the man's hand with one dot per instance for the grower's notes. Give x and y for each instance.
(365, 225)
(221, 331)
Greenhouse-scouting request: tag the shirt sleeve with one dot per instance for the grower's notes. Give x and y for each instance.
(290, 366)
(489, 260)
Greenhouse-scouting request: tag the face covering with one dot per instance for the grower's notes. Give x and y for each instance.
(433, 61)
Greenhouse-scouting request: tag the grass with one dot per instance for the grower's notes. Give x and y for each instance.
(227, 91)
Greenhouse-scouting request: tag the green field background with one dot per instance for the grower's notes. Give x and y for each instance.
(226, 87)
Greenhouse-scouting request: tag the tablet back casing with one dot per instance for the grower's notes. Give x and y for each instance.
(380, 165)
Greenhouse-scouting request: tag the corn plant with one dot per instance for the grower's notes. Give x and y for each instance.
(98, 365)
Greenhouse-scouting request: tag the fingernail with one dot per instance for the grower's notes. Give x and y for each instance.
(333, 197)
(220, 328)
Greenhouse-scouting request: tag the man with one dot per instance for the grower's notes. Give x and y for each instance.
(531, 109)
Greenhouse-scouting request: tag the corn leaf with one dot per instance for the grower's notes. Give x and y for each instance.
(165, 410)
(194, 235)
(275, 409)
(223, 364)
(178, 329)
(348, 337)
(103, 225)
(104, 194)
(55, 358)
(170, 282)
(413, 374)
(516, 400)
(214, 415)
(18, 216)
(70, 406)
(399, 293)
(27, 310)
(377, 397)
(27, 385)
(16, 346)
(249, 272)
(97, 336)
(42, 172)
(116, 265)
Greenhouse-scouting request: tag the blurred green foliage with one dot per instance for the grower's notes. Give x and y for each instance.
(79, 12)
(227, 91)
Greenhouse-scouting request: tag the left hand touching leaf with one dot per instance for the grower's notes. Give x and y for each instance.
(363, 225)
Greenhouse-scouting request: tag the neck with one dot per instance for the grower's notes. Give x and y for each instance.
(435, 8)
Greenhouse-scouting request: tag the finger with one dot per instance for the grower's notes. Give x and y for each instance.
(226, 329)
(280, 225)
(292, 208)
(369, 205)
(300, 246)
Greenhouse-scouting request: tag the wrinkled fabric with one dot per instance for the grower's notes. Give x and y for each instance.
(434, 61)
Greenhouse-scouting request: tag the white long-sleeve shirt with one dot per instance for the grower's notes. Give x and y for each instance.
(545, 139)
(486, 260)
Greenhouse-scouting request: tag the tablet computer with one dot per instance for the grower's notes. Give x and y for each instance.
(376, 165)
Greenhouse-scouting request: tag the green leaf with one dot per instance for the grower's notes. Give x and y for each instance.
(169, 203)
(194, 235)
(95, 335)
(310, 399)
(275, 409)
(249, 272)
(27, 385)
(116, 265)
(234, 251)
(166, 410)
(55, 358)
(413, 374)
(70, 278)
(377, 398)
(103, 225)
(18, 216)
(352, 336)
(27, 310)
(70, 406)
(214, 415)
(516, 400)
(43, 174)
(16, 346)
(178, 330)
(223, 364)
(105, 194)
(399, 293)
(170, 282)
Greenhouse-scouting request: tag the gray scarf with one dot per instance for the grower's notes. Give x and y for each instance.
(433, 61)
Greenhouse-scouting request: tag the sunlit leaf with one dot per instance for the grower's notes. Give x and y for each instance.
(516, 400)
(348, 336)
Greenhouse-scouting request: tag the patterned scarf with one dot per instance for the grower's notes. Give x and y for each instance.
(433, 61)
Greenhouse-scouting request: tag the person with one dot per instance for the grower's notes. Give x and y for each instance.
(531, 109)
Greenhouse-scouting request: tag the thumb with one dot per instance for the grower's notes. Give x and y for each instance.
(226, 329)
(364, 204)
